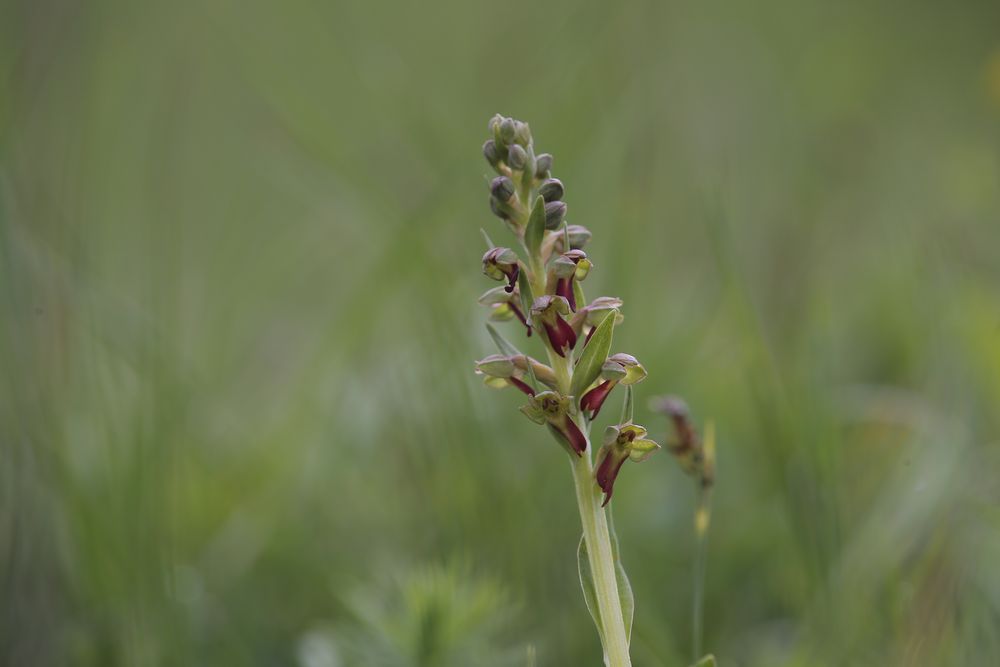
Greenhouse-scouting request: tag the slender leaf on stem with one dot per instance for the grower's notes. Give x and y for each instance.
(506, 347)
(707, 661)
(587, 583)
(624, 587)
(594, 355)
(534, 233)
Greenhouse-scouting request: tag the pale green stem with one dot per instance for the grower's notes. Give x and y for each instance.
(697, 613)
(598, 539)
(602, 565)
(701, 555)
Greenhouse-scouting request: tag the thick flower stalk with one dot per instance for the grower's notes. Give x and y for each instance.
(542, 287)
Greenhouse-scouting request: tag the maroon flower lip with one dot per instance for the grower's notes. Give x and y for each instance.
(564, 288)
(561, 335)
(548, 310)
(523, 386)
(512, 278)
(607, 473)
(594, 399)
(575, 437)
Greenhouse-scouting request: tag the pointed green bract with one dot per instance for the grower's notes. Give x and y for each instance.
(628, 406)
(535, 231)
(581, 300)
(524, 288)
(594, 355)
(506, 347)
(707, 661)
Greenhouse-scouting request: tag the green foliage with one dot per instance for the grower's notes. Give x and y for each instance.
(237, 325)
(443, 617)
(593, 357)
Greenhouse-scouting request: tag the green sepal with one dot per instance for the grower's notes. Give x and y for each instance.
(495, 382)
(612, 370)
(534, 233)
(502, 313)
(642, 449)
(496, 365)
(593, 357)
(534, 413)
(498, 294)
(578, 294)
(562, 267)
(707, 661)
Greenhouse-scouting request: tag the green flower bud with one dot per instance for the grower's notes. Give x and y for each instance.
(517, 157)
(555, 212)
(499, 208)
(522, 133)
(507, 130)
(543, 165)
(551, 189)
(491, 154)
(578, 237)
(502, 188)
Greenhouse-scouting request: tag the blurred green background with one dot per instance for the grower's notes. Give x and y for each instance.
(239, 259)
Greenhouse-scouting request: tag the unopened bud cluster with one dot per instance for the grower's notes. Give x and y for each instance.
(543, 289)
